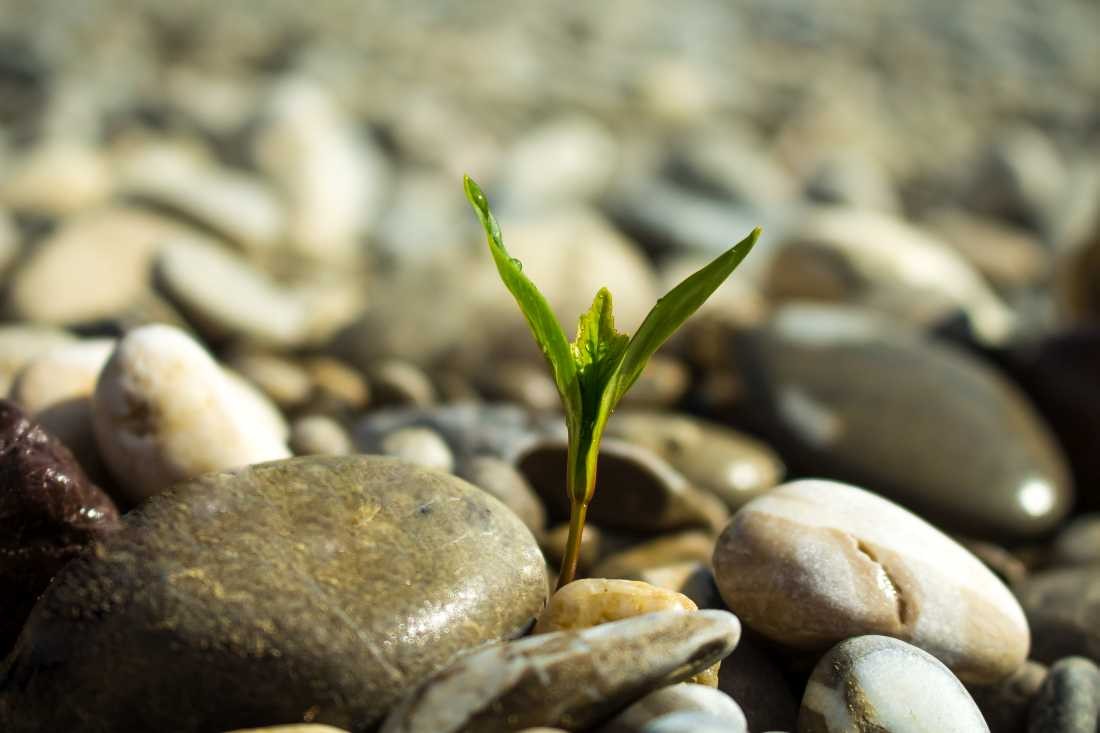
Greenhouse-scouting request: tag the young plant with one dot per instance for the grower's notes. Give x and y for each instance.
(594, 372)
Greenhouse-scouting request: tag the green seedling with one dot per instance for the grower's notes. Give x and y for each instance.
(594, 372)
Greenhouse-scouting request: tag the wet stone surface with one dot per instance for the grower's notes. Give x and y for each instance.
(320, 586)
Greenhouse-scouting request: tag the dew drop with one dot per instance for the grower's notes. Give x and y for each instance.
(517, 263)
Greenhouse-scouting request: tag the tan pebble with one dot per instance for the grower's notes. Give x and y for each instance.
(337, 384)
(689, 546)
(422, 446)
(555, 538)
(594, 601)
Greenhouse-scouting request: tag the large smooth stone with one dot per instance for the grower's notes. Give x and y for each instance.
(1063, 608)
(569, 679)
(1060, 375)
(875, 684)
(814, 562)
(843, 394)
(319, 588)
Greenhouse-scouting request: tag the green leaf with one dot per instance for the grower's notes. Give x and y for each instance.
(672, 310)
(541, 319)
(598, 347)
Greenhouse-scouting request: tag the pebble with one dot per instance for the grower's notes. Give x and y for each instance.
(9, 242)
(564, 159)
(1078, 543)
(283, 380)
(508, 485)
(636, 490)
(226, 299)
(876, 260)
(1069, 699)
(319, 435)
(332, 176)
(56, 387)
(49, 511)
(548, 679)
(226, 202)
(852, 179)
(308, 728)
(422, 446)
(20, 343)
(593, 601)
(288, 590)
(814, 562)
(555, 539)
(678, 547)
(1063, 609)
(59, 177)
(731, 164)
(164, 411)
(693, 722)
(681, 698)
(877, 683)
(925, 424)
(725, 463)
(692, 578)
(395, 382)
(1005, 705)
(1009, 257)
(662, 384)
(1058, 373)
(92, 267)
(751, 676)
(520, 382)
(337, 386)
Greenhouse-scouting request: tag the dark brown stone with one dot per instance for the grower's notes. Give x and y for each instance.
(49, 512)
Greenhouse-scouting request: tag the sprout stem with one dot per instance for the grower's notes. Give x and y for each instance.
(577, 510)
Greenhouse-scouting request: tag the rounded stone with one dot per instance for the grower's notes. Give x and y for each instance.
(1069, 699)
(320, 585)
(877, 683)
(681, 698)
(924, 424)
(164, 411)
(21, 343)
(422, 446)
(691, 721)
(1063, 609)
(503, 481)
(56, 388)
(319, 435)
(225, 298)
(1005, 704)
(593, 601)
(635, 489)
(1078, 543)
(49, 512)
(725, 463)
(815, 562)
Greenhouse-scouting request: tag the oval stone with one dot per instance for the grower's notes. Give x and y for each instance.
(318, 587)
(1063, 608)
(876, 683)
(815, 562)
(845, 395)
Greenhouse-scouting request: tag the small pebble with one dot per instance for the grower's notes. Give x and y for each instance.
(1069, 699)
(422, 446)
(593, 601)
(873, 684)
(319, 435)
(1005, 704)
(503, 481)
(164, 411)
(694, 722)
(681, 698)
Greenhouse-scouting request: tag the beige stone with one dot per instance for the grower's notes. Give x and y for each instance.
(593, 601)
(815, 562)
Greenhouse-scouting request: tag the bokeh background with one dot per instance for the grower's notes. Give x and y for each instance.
(286, 176)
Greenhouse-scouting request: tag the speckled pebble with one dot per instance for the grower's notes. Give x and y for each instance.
(876, 684)
(681, 698)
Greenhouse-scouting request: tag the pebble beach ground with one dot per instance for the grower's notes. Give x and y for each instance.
(277, 452)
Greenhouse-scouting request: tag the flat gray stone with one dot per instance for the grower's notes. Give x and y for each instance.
(1069, 700)
(319, 587)
(568, 679)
